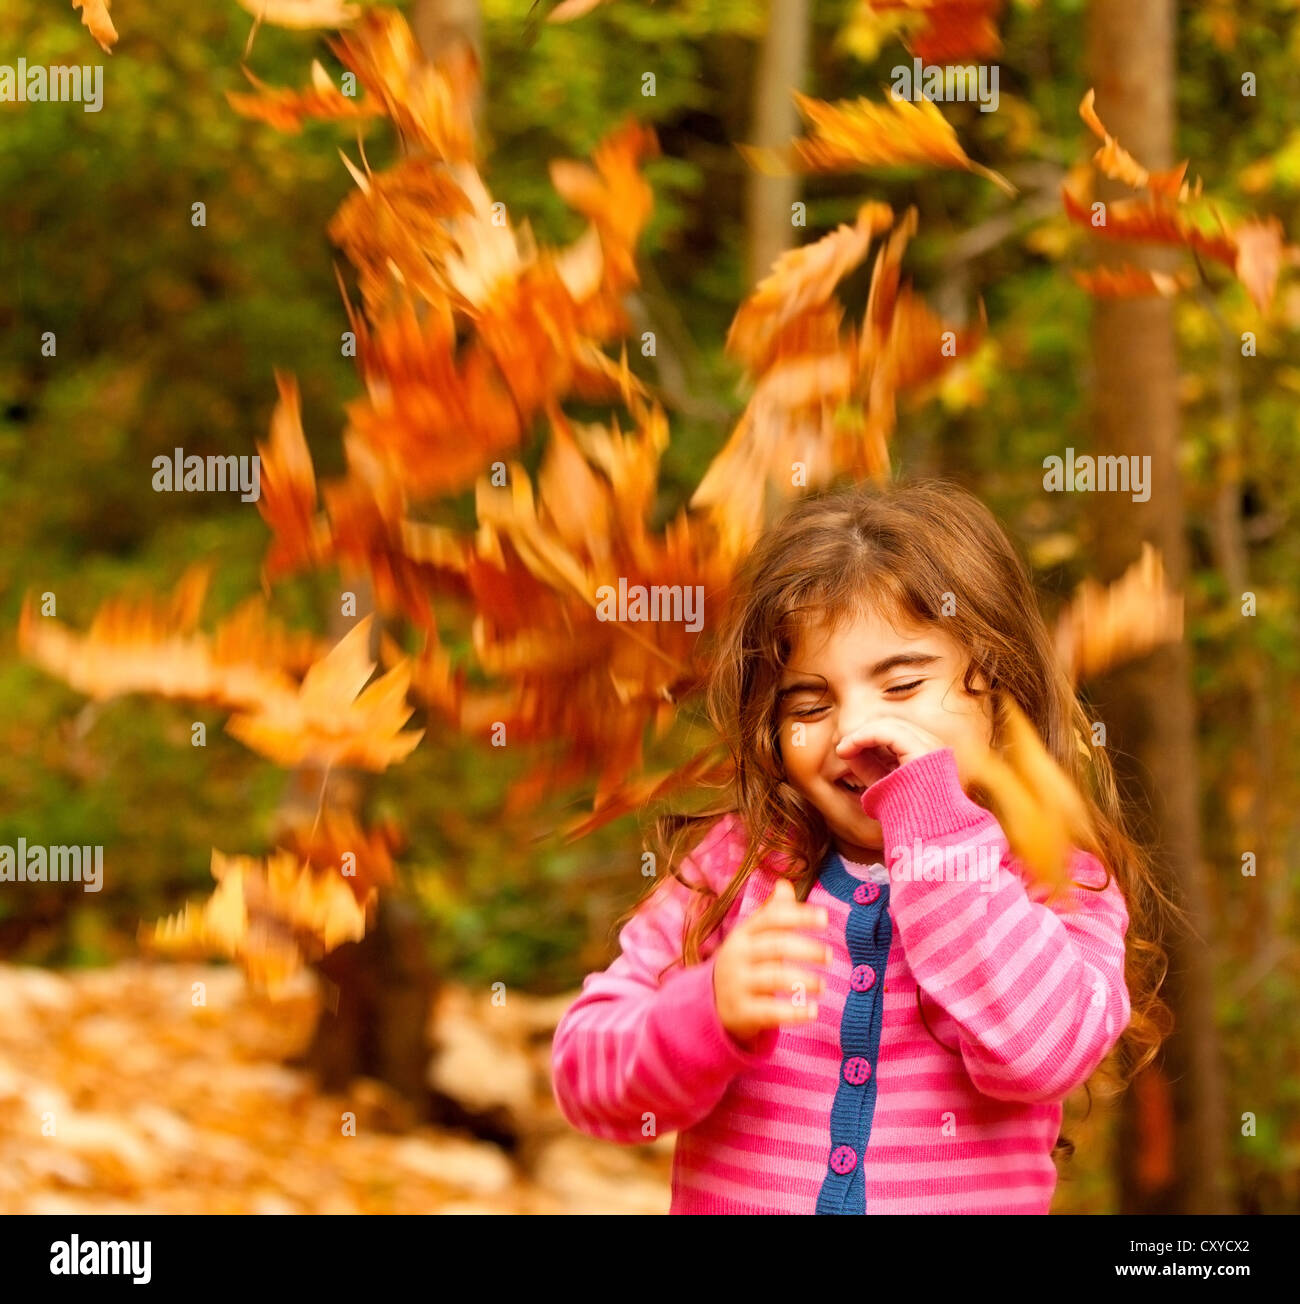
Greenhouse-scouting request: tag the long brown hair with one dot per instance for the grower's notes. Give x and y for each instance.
(911, 552)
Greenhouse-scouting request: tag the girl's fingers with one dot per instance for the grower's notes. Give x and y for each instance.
(760, 1013)
(887, 733)
(791, 915)
(771, 945)
(904, 740)
(782, 979)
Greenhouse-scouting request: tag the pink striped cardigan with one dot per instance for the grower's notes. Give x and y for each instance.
(860, 1110)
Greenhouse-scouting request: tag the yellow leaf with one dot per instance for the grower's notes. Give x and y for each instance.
(853, 134)
(1040, 810)
(325, 722)
(94, 14)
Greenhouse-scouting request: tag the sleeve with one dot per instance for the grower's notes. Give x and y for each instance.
(634, 1058)
(1038, 992)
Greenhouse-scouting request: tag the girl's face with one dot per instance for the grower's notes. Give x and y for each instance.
(871, 669)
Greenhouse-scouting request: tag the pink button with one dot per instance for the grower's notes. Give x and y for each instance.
(865, 893)
(856, 1070)
(863, 978)
(843, 1159)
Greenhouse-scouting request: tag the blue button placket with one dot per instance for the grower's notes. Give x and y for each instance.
(868, 932)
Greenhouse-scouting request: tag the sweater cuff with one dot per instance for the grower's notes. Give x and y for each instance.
(923, 799)
(693, 1012)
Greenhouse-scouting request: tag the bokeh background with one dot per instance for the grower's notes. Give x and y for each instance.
(167, 336)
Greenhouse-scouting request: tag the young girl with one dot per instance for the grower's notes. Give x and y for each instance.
(825, 1034)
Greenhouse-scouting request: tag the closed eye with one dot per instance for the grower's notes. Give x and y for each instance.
(905, 688)
(809, 711)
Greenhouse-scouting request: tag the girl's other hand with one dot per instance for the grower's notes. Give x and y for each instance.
(754, 975)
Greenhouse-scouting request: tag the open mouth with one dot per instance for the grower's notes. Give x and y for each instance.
(880, 765)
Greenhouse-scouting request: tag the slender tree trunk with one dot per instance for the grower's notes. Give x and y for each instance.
(782, 66)
(1149, 707)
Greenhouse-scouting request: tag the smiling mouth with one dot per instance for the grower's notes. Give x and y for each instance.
(851, 785)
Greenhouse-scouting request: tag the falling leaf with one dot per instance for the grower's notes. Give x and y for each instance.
(801, 279)
(940, 30)
(94, 14)
(1037, 804)
(1147, 222)
(430, 103)
(852, 134)
(287, 109)
(392, 229)
(1118, 164)
(271, 916)
(1261, 251)
(1255, 250)
(408, 562)
(336, 842)
(1128, 282)
(147, 646)
(823, 400)
(1105, 626)
(329, 720)
(613, 195)
(432, 418)
(288, 501)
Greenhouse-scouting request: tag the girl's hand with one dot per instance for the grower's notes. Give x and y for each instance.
(754, 977)
(889, 741)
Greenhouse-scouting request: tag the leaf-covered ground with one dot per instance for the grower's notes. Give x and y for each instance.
(158, 1105)
(161, 1106)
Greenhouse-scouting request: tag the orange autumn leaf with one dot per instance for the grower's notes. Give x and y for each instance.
(430, 104)
(1261, 251)
(1117, 163)
(852, 134)
(337, 843)
(1129, 282)
(1037, 804)
(146, 645)
(287, 109)
(613, 195)
(939, 30)
(432, 419)
(788, 335)
(470, 330)
(329, 720)
(823, 401)
(801, 279)
(1107, 625)
(271, 916)
(288, 501)
(578, 677)
(1145, 222)
(94, 14)
(408, 562)
(392, 228)
(1255, 250)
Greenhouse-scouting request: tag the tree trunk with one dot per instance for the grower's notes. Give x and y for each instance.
(782, 66)
(1149, 707)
